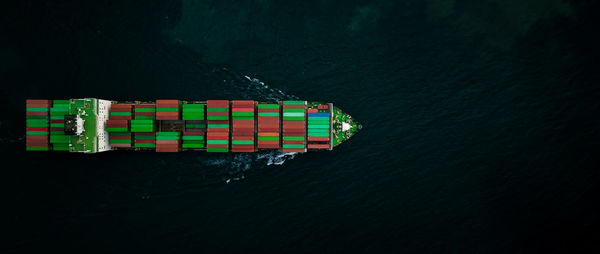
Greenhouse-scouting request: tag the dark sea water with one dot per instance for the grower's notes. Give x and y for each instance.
(481, 126)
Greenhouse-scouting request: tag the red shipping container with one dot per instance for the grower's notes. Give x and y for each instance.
(242, 138)
(218, 122)
(268, 146)
(193, 133)
(33, 101)
(120, 145)
(57, 129)
(243, 122)
(293, 142)
(217, 113)
(167, 142)
(216, 134)
(145, 105)
(268, 142)
(217, 104)
(244, 126)
(293, 150)
(318, 138)
(313, 110)
(318, 146)
(38, 105)
(216, 146)
(31, 113)
(242, 110)
(120, 136)
(120, 109)
(217, 130)
(268, 130)
(36, 129)
(167, 102)
(268, 110)
(242, 150)
(218, 138)
(145, 114)
(37, 137)
(120, 118)
(145, 141)
(242, 146)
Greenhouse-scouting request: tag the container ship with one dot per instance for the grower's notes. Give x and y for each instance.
(93, 125)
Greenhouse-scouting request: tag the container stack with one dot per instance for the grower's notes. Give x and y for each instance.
(242, 136)
(218, 126)
(144, 140)
(145, 111)
(194, 116)
(143, 133)
(117, 125)
(167, 109)
(294, 126)
(121, 111)
(318, 127)
(268, 126)
(119, 133)
(58, 139)
(37, 125)
(193, 112)
(193, 139)
(167, 142)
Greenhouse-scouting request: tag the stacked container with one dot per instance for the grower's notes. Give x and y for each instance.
(118, 125)
(145, 140)
(143, 133)
(193, 139)
(58, 139)
(218, 126)
(167, 142)
(167, 109)
(242, 137)
(121, 111)
(193, 111)
(268, 126)
(37, 125)
(294, 126)
(119, 133)
(318, 127)
(145, 111)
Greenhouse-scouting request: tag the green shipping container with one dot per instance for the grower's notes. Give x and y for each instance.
(144, 145)
(145, 110)
(268, 106)
(242, 142)
(217, 150)
(293, 138)
(293, 102)
(120, 141)
(293, 118)
(167, 109)
(117, 129)
(268, 114)
(37, 148)
(120, 113)
(217, 118)
(193, 146)
(37, 109)
(217, 142)
(294, 146)
(193, 138)
(268, 138)
(217, 109)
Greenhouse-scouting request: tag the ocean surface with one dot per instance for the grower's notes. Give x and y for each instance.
(481, 126)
